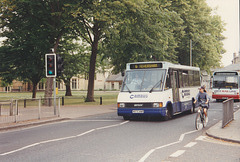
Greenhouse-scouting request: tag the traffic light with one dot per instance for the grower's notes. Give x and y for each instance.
(50, 63)
(59, 65)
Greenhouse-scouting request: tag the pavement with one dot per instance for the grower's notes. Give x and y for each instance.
(66, 113)
(230, 132)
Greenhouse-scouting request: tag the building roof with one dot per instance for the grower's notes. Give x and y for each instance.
(115, 78)
(232, 67)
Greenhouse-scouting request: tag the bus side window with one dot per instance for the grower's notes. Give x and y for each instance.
(180, 78)
(191, 78)
(168, 81)
(196, 78)
(185, 78)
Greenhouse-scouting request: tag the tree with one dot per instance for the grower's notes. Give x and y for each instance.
(97, 19)
(24, 50)
(204, 29)
(76, 56)
(148, 33)
(173, 23)
(32, 28)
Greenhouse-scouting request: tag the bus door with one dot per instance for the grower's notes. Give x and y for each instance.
(175, 89)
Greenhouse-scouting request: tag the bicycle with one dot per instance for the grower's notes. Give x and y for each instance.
(200, 121)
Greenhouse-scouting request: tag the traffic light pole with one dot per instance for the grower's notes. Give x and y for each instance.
(54, 87)
(51, 71)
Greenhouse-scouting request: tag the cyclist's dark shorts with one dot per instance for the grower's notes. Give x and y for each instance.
(205, 107)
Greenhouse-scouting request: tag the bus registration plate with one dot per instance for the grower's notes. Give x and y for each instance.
(138, 111)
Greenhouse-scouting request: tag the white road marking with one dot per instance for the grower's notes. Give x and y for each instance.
(93, 120)
(173, 143)
(60, 139)
(191, 144)
(177, 153)
(201, 138)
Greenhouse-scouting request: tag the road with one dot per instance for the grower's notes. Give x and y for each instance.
(108, 138)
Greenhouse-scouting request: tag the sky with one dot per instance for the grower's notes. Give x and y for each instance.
(229, 12)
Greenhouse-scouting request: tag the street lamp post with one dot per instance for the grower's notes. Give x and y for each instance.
(191, 62)
(190, 52)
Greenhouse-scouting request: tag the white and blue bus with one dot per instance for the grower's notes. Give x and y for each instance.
(159, 89)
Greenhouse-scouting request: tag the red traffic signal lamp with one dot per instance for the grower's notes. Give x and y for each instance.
(50, 63)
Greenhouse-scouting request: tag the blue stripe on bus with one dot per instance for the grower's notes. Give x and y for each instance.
(181, 107)
(147, 111)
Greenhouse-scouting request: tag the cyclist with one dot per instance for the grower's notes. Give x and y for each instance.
(203, 98)
(206, 92)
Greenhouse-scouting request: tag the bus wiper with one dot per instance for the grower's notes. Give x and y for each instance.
(160, 81)
(127, 88)
(126, 84)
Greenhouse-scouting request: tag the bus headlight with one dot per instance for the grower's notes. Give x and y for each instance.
(121, 105)
(158, 104)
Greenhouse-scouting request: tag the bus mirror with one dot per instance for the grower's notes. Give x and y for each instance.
(123, 73)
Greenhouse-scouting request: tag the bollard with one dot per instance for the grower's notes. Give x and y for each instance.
(39, 109)
(11, 108)
(25, 103)
(100, 100)
(49, 102)
(62, 101)
(59, 107)
(17, 107)
(16, 111)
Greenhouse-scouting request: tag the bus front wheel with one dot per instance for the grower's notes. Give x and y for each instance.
(126, 117)
(169, 113)
(192, 110)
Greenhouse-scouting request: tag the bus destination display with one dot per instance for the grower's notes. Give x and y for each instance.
(226, 73)
(146, 66)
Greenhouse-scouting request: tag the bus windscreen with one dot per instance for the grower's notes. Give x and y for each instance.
(144, 80)
(225, 80)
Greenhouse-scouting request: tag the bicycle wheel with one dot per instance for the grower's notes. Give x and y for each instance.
(205, 120)
(198, 121)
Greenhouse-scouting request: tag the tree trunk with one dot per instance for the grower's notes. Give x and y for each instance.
(68, 88)
(90, 94)
(48, 90)
(34, 90)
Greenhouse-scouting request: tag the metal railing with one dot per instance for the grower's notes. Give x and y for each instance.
(36, 109)
(18, 110)
(227, 112)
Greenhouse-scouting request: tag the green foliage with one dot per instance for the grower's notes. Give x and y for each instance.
(161, 30)
(32, 28)
(76, 55)
(205, 31)
(76, 59)
(147, 33)
(117, 32)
